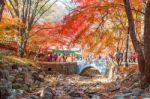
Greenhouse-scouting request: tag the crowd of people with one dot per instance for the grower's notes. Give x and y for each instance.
(61, 57)
(55, 57)
(132, 57)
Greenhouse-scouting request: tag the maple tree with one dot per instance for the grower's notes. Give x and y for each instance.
(98, 14)
(8, 32)
(8, 25)
(44, 35)
(96, 18)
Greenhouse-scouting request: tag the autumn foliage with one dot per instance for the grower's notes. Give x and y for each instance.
(100, 25)
(97, 25)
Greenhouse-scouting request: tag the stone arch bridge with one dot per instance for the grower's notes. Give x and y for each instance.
(73, 67)
(97, 64)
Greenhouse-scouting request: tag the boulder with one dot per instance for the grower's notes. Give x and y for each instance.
(6, 84)
(4, 93)
(46, 93)
(19, 92)
(1, 73)
(75, 94)
(4, 73)
(27, 87)
(11, 78)
(11, 97)
(5, 87)
(20, 69)
(41, 76)
(14, 72)
(20, 80)
(26, 68)
(6, 66)
(137, 92)
(35, 76)
(28, 79)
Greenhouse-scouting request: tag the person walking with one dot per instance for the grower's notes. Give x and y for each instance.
(134, 56)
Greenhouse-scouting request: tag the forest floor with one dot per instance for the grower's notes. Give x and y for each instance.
(25, 81)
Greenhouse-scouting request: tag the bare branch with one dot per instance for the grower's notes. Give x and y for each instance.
(14, 9)
(44, 12)
(34, 13)
(41, 8)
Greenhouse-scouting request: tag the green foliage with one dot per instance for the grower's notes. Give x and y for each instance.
(8, 28)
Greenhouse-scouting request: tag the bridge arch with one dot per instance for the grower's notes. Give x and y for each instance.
(97, 64)
(89, 71)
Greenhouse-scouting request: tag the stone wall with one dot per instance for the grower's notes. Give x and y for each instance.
(55, 67)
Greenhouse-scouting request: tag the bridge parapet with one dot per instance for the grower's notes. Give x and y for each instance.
(73, 67)
(59, 67)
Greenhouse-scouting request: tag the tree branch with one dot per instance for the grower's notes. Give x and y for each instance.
(44, 12)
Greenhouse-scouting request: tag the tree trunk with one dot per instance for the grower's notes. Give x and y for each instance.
(21, 48)
(136, 44)
(126, 51)
(2, 4)
(146, 42)
(21, 42)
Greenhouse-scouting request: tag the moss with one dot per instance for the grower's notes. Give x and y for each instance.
(15, 59)
(1, 56)
(19, 86)
(16, 86)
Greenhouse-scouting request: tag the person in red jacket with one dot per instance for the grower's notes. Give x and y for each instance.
(134, 56)
(50, 57)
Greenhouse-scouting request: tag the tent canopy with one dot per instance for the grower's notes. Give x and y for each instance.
(65, 52)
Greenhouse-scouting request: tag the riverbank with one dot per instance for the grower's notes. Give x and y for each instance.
(26, 81)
